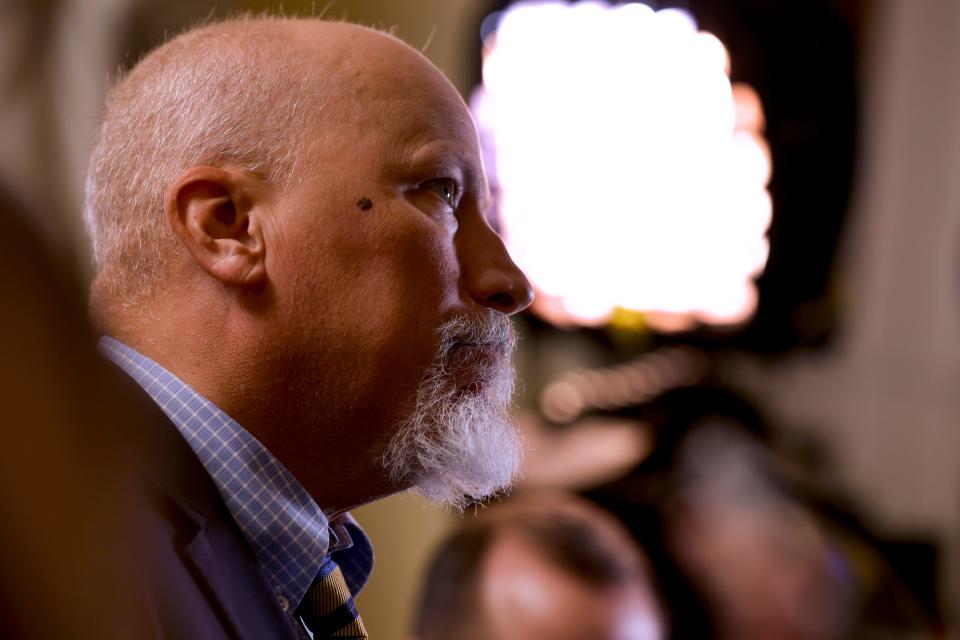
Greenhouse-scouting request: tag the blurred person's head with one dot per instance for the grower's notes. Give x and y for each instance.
(539, 566)
(758, 556)
(743, 543)
(289, 215)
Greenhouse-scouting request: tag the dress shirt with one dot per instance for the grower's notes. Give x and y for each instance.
(286, 529)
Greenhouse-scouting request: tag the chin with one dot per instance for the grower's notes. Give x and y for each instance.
(485, 464)
(459, 444)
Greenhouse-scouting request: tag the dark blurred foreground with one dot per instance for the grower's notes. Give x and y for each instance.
(73, 554)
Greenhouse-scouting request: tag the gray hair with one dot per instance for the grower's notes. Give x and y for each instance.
(231, 92)
(458, 447)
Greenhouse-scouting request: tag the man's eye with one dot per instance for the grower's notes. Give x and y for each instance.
(446, 188)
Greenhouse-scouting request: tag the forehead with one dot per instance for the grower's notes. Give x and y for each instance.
(386, 92)
(413, 108)
(416, 132)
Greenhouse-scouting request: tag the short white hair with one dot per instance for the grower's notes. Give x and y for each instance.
(231, 92)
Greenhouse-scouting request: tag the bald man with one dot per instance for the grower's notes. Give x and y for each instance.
(544, 565)
(293, 267)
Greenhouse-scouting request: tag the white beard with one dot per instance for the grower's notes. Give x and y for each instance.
(457, 446)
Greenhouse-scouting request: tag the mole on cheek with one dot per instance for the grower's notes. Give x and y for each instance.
(364, 204)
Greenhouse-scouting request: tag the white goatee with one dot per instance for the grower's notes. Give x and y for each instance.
(460, 445)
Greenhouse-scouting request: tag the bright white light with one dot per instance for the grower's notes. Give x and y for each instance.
(625, 174)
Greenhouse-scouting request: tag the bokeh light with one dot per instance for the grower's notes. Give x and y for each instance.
(629, 173)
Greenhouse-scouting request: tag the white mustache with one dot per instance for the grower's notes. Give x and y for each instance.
(489, 330)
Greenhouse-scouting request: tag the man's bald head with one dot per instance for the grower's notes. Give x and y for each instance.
(224, 199)
(245, 92)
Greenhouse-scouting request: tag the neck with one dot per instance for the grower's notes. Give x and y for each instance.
(232, 362)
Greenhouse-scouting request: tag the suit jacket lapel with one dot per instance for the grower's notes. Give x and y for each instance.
(236, 581)
(217, 549)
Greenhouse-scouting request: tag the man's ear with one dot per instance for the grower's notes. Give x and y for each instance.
(215, 211)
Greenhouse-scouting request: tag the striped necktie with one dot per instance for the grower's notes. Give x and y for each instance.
(327, 608)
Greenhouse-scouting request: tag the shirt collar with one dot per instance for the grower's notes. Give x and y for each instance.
(283, 525)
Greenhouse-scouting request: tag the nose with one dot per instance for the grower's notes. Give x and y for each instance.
(489, 274)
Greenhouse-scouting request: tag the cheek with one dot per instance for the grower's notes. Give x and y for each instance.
(415, 290)
(407, 289)
(396, 281)
(370, 287)
(392, 258)
(422, 270)
(412, 261)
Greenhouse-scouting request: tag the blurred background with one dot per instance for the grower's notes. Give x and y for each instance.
(742, 219)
